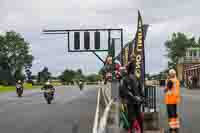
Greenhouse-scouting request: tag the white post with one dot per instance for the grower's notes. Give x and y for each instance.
(198, 53)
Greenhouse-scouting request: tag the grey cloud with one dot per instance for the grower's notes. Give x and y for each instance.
(31, 17)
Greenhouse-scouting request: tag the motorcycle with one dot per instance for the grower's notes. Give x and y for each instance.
(19, 90)
(49, 95)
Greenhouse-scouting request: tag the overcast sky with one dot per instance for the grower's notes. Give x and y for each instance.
(30, 17)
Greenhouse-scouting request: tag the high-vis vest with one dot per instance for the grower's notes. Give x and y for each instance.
(173, 96)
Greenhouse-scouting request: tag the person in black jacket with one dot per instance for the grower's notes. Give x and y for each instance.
(131, 91)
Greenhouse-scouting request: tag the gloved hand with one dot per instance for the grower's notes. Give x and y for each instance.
(166, 90)
(139, 99)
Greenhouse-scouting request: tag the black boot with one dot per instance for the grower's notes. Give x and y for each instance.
(173, 131)
(177, 130)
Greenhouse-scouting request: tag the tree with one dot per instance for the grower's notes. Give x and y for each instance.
(67, 76)
(93, 78)
(100, 71)
(79, 75)
(28, 73)
(176, 47)
(14, 55)
(44, 75)
(54, 78)
(147, 76)
(79, 71)
(33, 77)
(199, 41)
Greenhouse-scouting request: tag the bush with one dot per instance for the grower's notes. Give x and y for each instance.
(4, 82)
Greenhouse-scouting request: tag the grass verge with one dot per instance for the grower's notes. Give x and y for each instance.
(27, 86)
(12, 88)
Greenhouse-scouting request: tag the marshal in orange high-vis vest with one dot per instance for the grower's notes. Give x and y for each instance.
(172, 96)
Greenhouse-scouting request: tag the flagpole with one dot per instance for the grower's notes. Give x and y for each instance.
(142, 54)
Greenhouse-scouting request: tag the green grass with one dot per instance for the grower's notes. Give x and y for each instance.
(27, 86)
(56, 84)
(6, 88)
(12, 88)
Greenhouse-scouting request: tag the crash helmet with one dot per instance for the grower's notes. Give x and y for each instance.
(47, 83)
(172, 72)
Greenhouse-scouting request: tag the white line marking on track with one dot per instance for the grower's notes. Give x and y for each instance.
(103, 121)
(95, 126)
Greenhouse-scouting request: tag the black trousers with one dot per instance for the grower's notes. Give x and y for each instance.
(134, 112)
(172, 110)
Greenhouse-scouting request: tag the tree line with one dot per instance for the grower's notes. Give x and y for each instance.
(68, 76)
(176, 47)
(16, 63)
(16, 60)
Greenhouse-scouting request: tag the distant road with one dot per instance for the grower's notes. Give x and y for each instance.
(31, 114)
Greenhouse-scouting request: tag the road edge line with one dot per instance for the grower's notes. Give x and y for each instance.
(95, 126)
(103, 121)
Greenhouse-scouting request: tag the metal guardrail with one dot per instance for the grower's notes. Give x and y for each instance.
(150, 94)
(104, 103)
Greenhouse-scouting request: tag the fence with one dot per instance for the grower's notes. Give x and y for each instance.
(105, 101)
(150, 95)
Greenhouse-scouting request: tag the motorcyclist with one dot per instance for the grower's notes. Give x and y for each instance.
(131, 92)
(80, 84)
(47, 86)
(19, 85)
(19, 88)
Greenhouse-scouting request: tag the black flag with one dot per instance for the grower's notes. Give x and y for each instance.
(133, 42)
(139, 51)
(129, 47)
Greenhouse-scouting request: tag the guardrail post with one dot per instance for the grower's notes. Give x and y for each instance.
(151, 120)
(150, 93)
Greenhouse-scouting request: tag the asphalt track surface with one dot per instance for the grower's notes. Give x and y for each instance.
(72, 111)
(189, 110)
